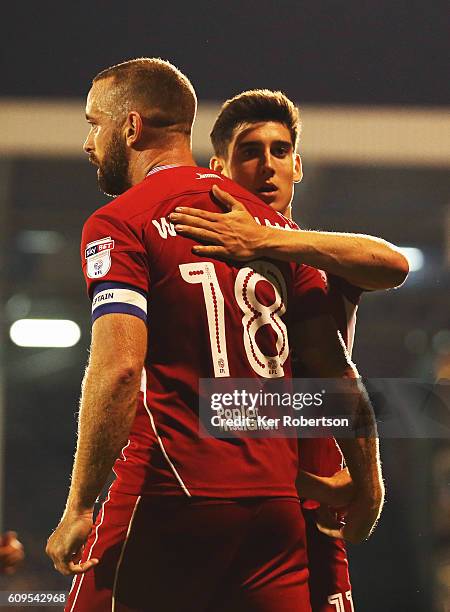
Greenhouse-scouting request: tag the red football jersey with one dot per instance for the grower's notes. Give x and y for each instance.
(206, 319)
(322, 456)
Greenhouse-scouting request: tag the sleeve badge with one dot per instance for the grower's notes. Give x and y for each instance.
(98, 257)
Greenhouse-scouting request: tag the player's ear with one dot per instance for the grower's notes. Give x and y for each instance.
(298, 170)
(216, 163)
(133, 128)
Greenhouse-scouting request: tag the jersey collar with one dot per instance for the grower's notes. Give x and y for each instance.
(159, 168)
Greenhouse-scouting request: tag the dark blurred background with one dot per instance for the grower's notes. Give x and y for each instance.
(372, 81)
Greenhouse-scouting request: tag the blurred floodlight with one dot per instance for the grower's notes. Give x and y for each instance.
(414, 256)
(18, 306)
(57, 333)
(44, 242)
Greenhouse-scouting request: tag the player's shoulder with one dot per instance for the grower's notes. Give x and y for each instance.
(170, 182)
(110, 225)
(110, 212)
(173, 182)
(180, 180)
(123, 209)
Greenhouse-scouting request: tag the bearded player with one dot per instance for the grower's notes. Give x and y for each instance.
(255, 140)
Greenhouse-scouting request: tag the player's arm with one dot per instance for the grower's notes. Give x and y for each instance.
(107, 410)
(336, 491)
(365, 261)
(323, 355)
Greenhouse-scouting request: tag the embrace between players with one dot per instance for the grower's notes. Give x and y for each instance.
(195, 523)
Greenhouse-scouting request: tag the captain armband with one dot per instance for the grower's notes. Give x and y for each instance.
(119, 297)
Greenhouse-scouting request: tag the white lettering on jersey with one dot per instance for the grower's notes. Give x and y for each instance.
(270, 224)
(165, 228)
(98, 257)
(277, 225)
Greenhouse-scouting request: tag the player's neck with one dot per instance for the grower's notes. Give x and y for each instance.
(151, 158)
(171, 158)
(287, 212)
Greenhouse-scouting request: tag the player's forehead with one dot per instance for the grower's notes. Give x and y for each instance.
(98, 99)
(263, 132)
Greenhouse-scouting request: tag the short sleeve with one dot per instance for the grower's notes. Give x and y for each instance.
(115, 266)
(310, 293)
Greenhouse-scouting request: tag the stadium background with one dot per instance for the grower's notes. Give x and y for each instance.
(370, 79)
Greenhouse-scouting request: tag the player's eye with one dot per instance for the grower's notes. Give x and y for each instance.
(249, 153)
(281, 151)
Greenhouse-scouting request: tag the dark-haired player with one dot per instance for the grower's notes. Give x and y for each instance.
(191, 523)
(255, 140)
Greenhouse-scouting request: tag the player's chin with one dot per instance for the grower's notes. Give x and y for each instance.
(270, 198)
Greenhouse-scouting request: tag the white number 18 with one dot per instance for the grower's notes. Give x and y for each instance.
(255, 314)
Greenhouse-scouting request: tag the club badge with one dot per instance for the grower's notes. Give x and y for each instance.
(98, 257)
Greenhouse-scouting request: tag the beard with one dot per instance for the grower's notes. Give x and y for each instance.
(112, 174)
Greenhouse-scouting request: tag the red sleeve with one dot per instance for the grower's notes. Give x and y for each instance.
(310, 296)
(112, 251)
(349, 291)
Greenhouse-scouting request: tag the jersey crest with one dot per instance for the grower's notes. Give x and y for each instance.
(98, 257)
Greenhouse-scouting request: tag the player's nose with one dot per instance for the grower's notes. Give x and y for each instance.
(267, 163)
(88, 146)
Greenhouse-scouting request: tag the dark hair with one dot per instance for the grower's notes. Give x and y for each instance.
(254, 106)
(155, 88)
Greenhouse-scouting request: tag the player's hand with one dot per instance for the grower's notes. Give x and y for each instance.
(233, 234)
(330, 520)
(65, 545)
(335, 491)
(11, 553)
(342, 489)
(355, 523)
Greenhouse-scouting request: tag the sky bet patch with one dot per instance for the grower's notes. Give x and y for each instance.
(98, 257)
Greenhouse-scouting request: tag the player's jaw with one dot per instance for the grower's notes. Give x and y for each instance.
(113, 169)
